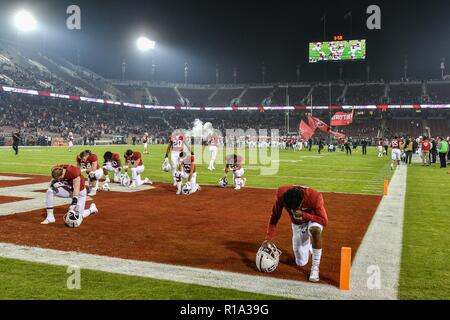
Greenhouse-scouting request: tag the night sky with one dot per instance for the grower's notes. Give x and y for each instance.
(238, 33)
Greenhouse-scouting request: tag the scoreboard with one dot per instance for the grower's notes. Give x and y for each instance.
(337, 50)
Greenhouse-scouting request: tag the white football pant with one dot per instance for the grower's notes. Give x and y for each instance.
(301, 242)
(64, 193)
(237, 177)
(136, 175)
(174, 158)
(98, 175)
(108, 167)
(213, 152)
(192, 182)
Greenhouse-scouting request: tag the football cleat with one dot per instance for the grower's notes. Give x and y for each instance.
(314, 275)
(93, 208)
(147, 181)
(48, 221)
(107, 180)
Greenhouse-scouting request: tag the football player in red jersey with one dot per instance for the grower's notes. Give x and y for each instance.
(67, 182)
(88, 162)
(133, 160)
(306, 209)
(112, 164)
(145, 140)
(234, 163)
(213, 142)
(396, 146)
(177, 142)
(187, 169)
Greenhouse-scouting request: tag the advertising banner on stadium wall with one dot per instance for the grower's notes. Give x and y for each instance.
(342, 119)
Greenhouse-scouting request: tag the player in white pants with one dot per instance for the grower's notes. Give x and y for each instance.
(70, 137)
(234, 163)
(306, 210)
(112, 164)
(67, 183)
(145, 140)
(88, 162)
(176, 145)
(213, 142)
(136, 165)
(187, 169)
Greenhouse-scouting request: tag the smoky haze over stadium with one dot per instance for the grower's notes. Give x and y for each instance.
(238, 34)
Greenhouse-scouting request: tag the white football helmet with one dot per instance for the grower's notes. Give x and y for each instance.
(186, 188)
(166, 167)
(125, 180)
(73, 219)
(223, 182)
(267, 258)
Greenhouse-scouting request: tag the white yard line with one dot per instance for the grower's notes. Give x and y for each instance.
(380, 249)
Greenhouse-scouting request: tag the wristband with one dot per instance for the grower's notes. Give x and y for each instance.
(74, 201)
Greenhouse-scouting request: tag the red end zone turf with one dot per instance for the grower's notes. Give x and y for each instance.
(215, 228)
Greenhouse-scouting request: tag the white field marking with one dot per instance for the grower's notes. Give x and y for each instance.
(382, 243)
(9, 178)
(294, 161)
(190, 275)
(36, 200)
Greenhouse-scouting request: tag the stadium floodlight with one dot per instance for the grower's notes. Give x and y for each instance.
(145, 44)
(24, 21)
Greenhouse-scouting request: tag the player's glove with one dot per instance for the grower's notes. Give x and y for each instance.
(83, 169)
(125, 168)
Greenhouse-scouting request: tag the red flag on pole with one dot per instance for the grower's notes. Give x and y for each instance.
(342, 119)
(305, 131)
(338, 134)
(317, 123)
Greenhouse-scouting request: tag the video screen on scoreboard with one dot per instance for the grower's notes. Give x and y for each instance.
(345, 50)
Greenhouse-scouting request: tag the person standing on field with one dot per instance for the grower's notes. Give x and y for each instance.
(16, 141)
(443, 150)
(364, 146)
(426, 147)
(408, 148)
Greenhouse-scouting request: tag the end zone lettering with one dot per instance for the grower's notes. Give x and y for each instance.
(246, 309)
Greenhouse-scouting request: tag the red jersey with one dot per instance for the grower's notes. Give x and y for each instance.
(177, 142)
(395, 144)
(72, 173)
(380, 143)
(213, 141)
(133, 158)
(234, 164)
(187, 164)
(115, 160)
(145, 139)
(426, 145)
(312, 207)
(87, 164)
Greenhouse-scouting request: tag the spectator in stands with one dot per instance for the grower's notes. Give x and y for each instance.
(443, 150)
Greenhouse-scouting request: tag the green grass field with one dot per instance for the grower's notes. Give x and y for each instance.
(425, 258)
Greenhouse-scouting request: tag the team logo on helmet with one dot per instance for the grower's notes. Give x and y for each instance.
(267, 258)
(73, 219)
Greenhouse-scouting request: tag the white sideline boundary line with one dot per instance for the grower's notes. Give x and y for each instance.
(380, 247)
